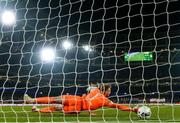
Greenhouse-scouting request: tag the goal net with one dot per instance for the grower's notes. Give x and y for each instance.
(51, 48)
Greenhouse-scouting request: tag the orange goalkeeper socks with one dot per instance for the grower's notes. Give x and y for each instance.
(45, 100)
(48, 109)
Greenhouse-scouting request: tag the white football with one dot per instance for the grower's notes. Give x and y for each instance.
(144, 112)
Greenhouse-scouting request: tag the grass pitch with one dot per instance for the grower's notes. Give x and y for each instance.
(162, 113)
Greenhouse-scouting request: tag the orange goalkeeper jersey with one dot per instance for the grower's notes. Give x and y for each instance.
(95, 99)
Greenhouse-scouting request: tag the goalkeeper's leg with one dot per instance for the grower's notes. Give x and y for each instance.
(69, 103)
(49, 109)
(59, 107)
(44, 100)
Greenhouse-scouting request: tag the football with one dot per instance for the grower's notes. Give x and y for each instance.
(144, 112)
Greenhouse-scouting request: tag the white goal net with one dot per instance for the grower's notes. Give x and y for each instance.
(51, 48)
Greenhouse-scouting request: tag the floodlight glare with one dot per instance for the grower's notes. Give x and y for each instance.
(8, 18)
(87, 48)
(47, 55)
(67, 44)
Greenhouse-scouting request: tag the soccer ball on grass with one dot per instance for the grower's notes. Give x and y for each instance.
(144, 112)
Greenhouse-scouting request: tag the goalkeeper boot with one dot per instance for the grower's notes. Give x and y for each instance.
(35, 109)
(27, 99)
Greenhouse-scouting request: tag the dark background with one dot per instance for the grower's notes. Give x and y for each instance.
(112, 27)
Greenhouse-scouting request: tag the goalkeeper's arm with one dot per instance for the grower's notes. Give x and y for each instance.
(121, 107)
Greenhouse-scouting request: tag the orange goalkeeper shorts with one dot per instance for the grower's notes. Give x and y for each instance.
(71, 103)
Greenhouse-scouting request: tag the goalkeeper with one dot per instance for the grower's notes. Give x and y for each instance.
(97, 98)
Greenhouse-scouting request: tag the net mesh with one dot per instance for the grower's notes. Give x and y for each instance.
(62, 47)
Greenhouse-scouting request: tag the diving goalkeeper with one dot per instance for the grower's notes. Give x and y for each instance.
(97, 98)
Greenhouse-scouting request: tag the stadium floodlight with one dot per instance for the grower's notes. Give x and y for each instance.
(48, 55)
(8, 18)
(67, 44)
(87, 48)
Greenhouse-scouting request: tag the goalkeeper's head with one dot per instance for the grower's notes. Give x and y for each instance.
(105, 89)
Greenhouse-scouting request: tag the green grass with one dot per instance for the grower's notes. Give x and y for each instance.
(163, 113)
